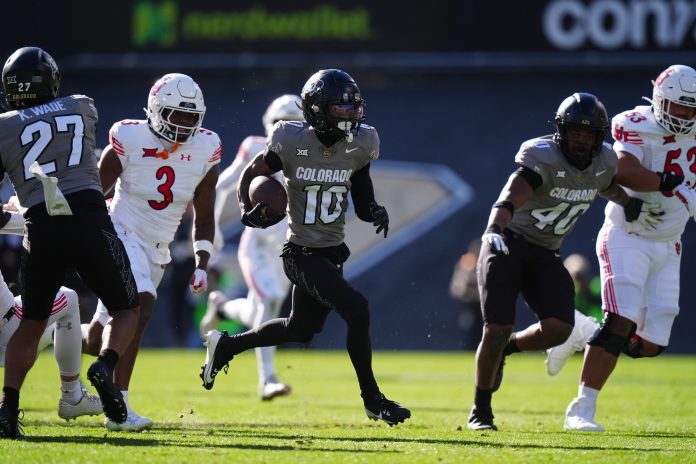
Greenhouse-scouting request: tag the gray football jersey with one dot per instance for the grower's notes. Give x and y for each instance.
(60, 136)
(565, 193)
(317, 179)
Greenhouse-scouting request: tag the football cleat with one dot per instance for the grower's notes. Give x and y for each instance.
(211, 320)
(213, 361)
(481, 420)
(386, 410)
(11, 423)
(580, 417)
(111, 397)
(557, 356)
(270, 390)
(134, 423)
(89, 405)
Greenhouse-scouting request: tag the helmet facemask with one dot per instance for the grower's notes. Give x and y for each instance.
(587, 115)
(578, 153)
(175, 108)
(675, 86)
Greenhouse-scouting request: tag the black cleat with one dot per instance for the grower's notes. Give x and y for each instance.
(11, 424)
(481, 420)
(386, 410)
(498, 375)
(111, 397)
(213, 358)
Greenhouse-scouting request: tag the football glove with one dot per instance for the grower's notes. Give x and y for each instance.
(257, 218)
(669, 180)
(686, 195)
(495, 241)
(199, 281)
(648, 215)
(380, 217)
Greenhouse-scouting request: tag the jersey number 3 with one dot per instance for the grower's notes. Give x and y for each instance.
(45, 135)
(165, 188)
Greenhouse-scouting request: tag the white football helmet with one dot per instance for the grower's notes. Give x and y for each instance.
(175, 92)
(284, 108)
(676, 84)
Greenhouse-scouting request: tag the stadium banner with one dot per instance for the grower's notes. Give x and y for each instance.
(355, 26)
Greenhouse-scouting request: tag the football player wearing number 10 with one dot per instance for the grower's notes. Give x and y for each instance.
(557, 179)
(158, 166)
(322, 159)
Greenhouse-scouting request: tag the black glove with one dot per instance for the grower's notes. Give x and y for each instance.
(256, 217)
(381, 218)
(669, 180)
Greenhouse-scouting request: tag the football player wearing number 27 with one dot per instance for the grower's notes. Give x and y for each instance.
(158, 166)
(640, 268)
(557, 179)
(322, 159)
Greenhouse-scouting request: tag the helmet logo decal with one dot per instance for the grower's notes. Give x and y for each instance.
(11, 79)
(316, 87)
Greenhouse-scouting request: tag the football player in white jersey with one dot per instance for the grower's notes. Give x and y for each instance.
(158, 166)
(62, 330)
(259, 254)
(640, 267)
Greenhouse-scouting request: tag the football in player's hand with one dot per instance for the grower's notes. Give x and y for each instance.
(271, 192)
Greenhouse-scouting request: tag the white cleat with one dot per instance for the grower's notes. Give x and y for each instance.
(556, 357)
(89, 405)
(211, 320)
(270, 390)
(134, 423)
(580, 417)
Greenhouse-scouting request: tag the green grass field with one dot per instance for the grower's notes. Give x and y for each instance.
(648, 409)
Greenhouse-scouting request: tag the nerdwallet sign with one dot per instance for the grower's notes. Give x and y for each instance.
(615, 24)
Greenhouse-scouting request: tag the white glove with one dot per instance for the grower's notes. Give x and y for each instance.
(687, 195)
(496, 242)
(643, 214)
(199, 281)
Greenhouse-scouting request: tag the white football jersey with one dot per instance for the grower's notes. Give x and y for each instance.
(155, 186)
(638, 133)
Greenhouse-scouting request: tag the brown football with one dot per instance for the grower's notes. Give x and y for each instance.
(271, 192)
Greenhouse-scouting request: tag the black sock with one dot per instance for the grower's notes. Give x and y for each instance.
(109, 357)
(511, 346)
(10, 399)
(482, 399)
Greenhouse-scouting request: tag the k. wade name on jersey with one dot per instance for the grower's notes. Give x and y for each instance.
(565, 194)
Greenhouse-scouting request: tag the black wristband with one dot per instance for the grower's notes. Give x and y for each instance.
(494, 228)
(669, 180)
(507, 204)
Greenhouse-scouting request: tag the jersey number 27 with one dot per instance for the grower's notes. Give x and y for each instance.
(45, 135)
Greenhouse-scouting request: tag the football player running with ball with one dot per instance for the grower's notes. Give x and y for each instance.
(158, 166)
(640, 267)
(557, 179)
(322, 159)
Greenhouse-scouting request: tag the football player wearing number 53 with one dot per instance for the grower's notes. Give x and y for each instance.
(640, 267)
(558, 178)
(322, 159)
(158, 166)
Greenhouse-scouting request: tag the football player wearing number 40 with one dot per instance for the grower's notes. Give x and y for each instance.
(322, 159)
(557, 179)
(158, 166)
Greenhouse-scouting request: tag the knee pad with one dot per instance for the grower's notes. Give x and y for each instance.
(611, 342)
(634, 347)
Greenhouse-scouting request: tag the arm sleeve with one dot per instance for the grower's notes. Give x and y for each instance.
(362, 193)
(273, 160)
(534, 179)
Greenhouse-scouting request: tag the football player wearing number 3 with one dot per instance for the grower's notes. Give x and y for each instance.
(158, 166)
(640, 268)
(322, 159)
(558, 178)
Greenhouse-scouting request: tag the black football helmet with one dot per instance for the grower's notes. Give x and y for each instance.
(583, 111)
(332, 103)
(30, 77)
